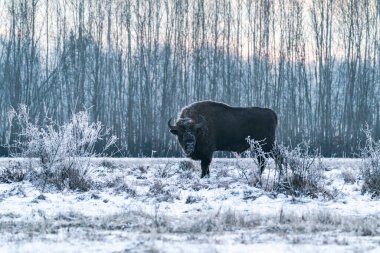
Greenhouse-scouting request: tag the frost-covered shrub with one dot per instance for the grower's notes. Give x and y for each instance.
(63, 151)
(107, 164)
(52, 142)
(198, 185)
(163, 192)
(223, 172)
(125, 188)
(13, 173)
(260, 160)
(298, 171)
(186, 169)
(191, 199)
(370, 168)
(349, 176)
(301, 172)
(66, 175)
(119, 185)
(255, 150)
(166, 171)
(186, 165)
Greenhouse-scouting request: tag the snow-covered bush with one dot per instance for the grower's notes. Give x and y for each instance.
(186, 165)
(298, 171)
(349, 176)
(107, 164)
(186, 169)
(166, 171)
(193, 199)
(370, 168)
(301, 172)
(66, 174)
(63, 151)
(255, 151)
(13, 173)
(124, 188)
(162, 191)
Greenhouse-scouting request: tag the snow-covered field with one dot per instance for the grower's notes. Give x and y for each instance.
(161, 205)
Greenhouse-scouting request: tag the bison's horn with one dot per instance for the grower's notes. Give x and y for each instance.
(170, 125)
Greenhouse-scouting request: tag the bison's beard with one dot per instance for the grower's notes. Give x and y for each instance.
(189, 149)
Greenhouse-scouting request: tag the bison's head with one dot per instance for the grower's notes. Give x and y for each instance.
(186, 130)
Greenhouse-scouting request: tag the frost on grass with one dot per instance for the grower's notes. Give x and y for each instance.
(126, 207)
(370, 168)
(63, 151)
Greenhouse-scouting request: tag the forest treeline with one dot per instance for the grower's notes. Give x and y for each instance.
(133, 64)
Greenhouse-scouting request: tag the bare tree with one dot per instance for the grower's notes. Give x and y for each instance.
(133, 64)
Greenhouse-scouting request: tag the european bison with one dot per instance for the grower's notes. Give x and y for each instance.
(207, 126)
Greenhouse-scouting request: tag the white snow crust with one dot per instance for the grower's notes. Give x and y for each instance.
(157, 206)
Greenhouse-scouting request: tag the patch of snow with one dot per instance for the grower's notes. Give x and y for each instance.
(151, 204)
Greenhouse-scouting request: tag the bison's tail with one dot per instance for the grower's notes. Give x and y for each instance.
(275, 118)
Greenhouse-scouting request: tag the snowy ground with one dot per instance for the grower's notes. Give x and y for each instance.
(161, 205)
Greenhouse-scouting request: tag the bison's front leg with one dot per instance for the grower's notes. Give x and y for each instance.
(205, 163)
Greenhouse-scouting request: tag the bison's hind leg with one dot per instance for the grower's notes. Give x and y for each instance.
(205, 165)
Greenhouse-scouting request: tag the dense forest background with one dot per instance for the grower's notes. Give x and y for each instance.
(133, 64)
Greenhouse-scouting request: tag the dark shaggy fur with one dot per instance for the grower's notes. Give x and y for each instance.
(207, 126)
